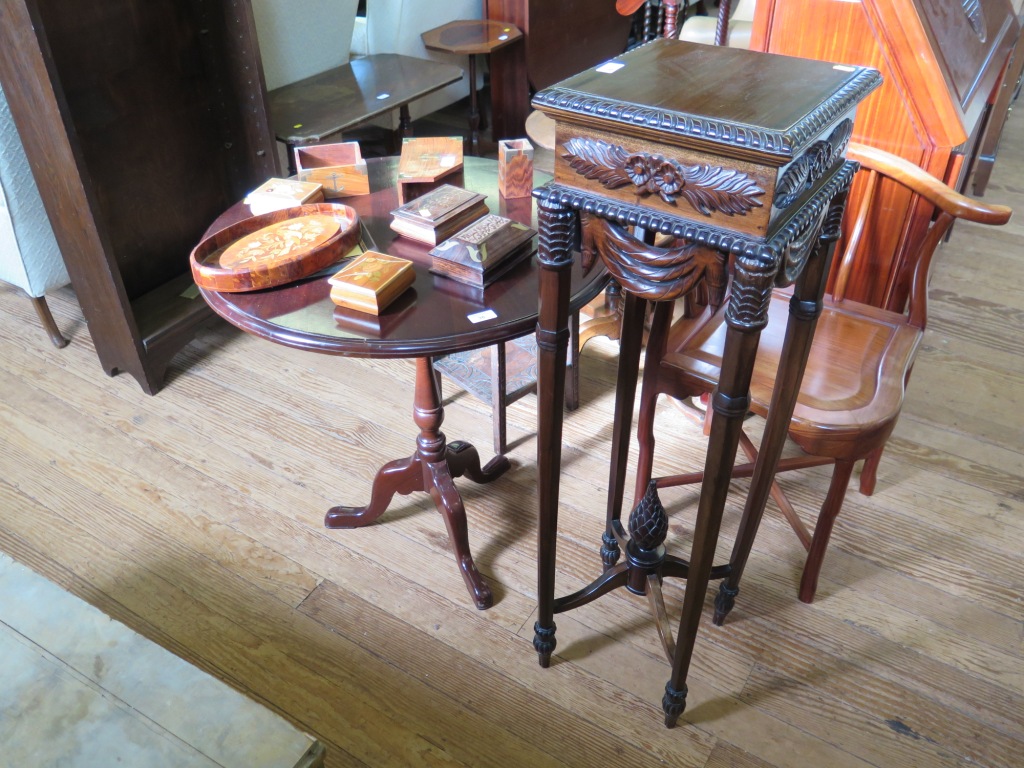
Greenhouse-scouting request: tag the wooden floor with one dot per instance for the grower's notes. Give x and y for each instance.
(194, 517)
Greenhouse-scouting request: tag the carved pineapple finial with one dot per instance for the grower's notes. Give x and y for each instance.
(648, 522)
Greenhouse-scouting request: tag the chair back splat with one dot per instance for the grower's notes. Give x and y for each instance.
(859, 364)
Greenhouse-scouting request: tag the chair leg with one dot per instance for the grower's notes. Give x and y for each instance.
(660, 323)
(49, 324)
(572, 379)
(823, 529)
(498, 399)
(869, 474)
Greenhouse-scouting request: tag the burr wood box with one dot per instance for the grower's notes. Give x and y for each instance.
(515, 168)
(674, 133)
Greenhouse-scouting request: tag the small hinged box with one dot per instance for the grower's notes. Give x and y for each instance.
(277, 194)
(724, 138)
(339, 168)
(437, 215)
(369, 283)
(425, 161)
(483, 251)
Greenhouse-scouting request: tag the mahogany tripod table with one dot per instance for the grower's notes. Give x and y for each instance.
(435, 317)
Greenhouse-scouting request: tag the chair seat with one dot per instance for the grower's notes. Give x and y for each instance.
(854, 382)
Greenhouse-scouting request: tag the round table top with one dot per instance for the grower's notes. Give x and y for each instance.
(436, 316)
(471, 36)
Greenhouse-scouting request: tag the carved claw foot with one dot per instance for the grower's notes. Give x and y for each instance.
(724, 602)
(544, 643)
(673, 703)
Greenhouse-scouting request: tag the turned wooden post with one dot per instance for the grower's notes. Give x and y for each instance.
(555, 226)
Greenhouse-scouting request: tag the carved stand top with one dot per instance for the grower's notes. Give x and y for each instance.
(701, 141)
(725, 240)
(765, 107)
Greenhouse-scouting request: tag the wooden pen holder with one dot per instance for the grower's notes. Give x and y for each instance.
(515, 168)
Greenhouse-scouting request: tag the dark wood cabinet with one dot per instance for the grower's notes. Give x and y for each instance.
(560, 38)
(142, 121)
(941, 61)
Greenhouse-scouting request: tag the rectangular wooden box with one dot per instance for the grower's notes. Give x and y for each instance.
(439, 214)
(371, 282)
(339, 168)
(482, 252)
(425, 161)
(277, 194)
(685, 134)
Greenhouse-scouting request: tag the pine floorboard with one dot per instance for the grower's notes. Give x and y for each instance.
(195, 517)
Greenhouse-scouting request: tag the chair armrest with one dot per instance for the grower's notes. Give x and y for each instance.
(929, 187)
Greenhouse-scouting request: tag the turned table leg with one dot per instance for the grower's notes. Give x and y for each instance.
(555, 225)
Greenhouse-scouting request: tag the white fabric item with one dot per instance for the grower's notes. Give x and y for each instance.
(29, 256)
(701, 29)
(301, 38)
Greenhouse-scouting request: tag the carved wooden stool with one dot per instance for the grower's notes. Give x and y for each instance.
(739, 155)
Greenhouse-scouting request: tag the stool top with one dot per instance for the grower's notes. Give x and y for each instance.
(471, 36)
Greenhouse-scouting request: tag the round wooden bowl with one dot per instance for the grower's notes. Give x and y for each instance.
(275, 248)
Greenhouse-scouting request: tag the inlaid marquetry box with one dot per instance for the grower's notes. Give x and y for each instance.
(724, 138)
(339, 168)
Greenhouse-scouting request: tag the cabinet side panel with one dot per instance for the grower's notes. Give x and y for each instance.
(41, 116)
(142, 98)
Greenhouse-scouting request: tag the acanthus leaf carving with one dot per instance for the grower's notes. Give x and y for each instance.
(804, 172)
(598, 161)
(726, 190)
(976, 17)
(707, 188)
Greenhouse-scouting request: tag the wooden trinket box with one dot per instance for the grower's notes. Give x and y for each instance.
(515, 168)
(371, 282)
(339, 168)
(277, 194)
(425, 161)
(483, 251)
(737, 152)
(439, 214)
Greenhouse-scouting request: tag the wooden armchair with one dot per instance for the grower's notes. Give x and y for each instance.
(856, 376)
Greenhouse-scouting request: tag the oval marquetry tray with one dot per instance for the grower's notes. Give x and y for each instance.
(275, 248)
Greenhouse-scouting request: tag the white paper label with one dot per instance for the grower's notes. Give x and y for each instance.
(479, 317)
